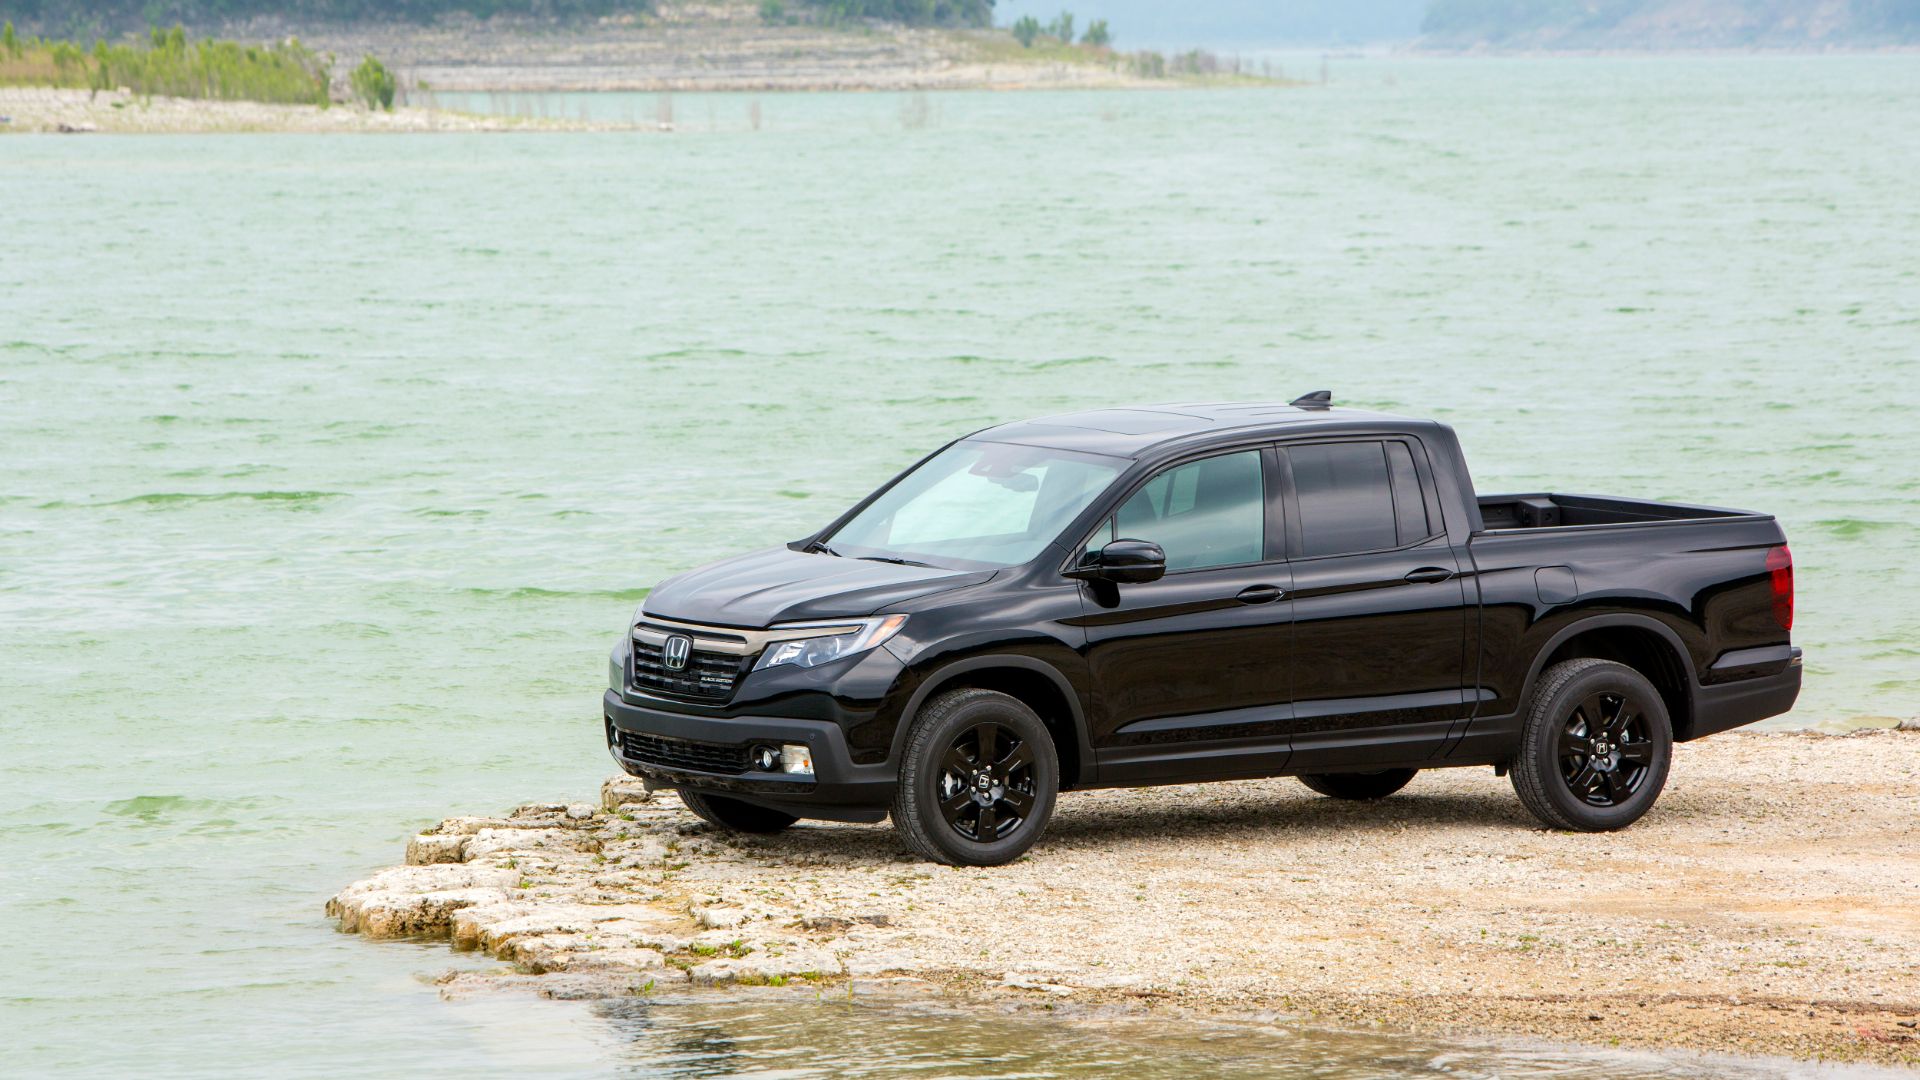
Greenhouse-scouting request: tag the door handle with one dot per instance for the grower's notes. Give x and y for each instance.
(1260, 594)
(1428, 575)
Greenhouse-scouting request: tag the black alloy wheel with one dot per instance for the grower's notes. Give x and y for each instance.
(978, 779)
(986, 785)
(1606, 751)
(1595, 746)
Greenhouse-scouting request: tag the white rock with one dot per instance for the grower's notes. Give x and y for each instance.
(619, 791)
(762, 967)
(489, 842)
(427, 849)
(719, 918)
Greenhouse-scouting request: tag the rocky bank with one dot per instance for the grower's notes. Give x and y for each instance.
(1769, 904)
(45, 109)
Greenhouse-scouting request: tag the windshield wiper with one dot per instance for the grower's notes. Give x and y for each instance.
(821, 547)
(895, 561)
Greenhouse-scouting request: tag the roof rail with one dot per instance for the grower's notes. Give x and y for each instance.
(1319, 399)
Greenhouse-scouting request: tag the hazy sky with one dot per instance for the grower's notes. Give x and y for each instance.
(1158, 23)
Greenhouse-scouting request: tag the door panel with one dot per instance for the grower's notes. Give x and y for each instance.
(1185, 669)
(1379, 606)
(1191, 672)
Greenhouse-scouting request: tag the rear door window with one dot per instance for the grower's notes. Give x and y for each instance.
(1409, 505)
(1346, 497)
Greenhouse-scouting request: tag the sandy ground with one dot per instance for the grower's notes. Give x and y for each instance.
(1769, 904)
(41, 109)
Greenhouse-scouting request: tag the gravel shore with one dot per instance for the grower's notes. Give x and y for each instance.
(43, 109)
(1769, 904)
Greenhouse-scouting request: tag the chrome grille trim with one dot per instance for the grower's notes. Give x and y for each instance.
(727, 639)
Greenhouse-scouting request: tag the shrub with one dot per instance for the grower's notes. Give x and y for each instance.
(773, 12)
(1097, 34)
(373, 84)
(1025, 29)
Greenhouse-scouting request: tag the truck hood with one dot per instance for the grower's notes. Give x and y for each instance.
(779, 585)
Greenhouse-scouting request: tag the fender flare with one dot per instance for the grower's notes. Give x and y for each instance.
(941, 677)
(1603, 622)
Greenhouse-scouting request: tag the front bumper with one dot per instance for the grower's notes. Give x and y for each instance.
(837, 790)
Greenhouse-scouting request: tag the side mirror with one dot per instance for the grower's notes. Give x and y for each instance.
(1125, 562)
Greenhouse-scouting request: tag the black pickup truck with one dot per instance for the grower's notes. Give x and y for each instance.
(1180, 593)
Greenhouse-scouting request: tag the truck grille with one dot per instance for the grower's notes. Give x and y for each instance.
(708, 675)
(684, 753)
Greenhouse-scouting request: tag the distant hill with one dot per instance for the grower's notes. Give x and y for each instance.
(1667, 24)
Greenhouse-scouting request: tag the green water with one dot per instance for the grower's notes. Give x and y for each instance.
(333, 464)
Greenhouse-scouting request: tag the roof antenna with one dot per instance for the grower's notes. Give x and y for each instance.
(1319, 399)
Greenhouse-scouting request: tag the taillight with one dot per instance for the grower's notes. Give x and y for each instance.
(1780, 570)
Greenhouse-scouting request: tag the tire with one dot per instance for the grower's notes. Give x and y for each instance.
(734, 815)
(942, 808)
(1557, 774)
(1361, 787)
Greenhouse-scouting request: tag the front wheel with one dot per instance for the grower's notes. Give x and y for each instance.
(734, 815)
(1595, 747)
(977, 781)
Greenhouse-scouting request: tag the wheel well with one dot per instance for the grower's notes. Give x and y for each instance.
(1644, 651)
(1037, 692)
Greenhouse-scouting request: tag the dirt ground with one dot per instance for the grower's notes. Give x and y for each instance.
(1770, 904)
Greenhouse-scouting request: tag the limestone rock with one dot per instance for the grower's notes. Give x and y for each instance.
(767, 967)
(416, 901)
(430, 848)
(619, 791)
(719, 918)
(488, 842)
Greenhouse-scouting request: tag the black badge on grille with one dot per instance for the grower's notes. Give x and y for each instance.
(674, 654)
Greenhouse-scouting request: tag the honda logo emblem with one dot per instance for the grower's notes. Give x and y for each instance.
(674, 654)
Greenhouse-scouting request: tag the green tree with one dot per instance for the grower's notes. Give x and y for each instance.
(373, 84)
(1062, 27)
(1025, 29)
(1097, 34)
(9, 40)
(773, 12)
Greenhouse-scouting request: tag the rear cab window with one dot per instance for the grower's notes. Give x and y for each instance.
(1359, 495)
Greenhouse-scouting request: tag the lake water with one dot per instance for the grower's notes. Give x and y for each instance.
(334, 464)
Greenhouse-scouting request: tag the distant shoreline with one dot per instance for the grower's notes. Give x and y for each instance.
(46, 110)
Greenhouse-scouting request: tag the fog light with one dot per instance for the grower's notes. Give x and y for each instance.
(796, 759)
(766, 758)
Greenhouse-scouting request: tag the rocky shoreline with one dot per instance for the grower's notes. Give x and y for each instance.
(1770, 904)
(44, 109)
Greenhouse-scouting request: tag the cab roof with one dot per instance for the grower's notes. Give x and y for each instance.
(1130, 431)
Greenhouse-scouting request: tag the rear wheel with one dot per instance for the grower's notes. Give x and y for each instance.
(735, 815)
(978, 780)
(1359, 786)
(1595, 748)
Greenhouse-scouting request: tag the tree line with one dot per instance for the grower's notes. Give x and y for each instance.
(170, 64)
(1027, 30)
(86, 17)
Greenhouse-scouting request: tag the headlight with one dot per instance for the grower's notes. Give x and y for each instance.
(813, 644)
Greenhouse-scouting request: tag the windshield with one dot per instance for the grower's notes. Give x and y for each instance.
(976, 505)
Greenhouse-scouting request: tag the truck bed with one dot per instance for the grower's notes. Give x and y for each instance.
(1547, 510)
